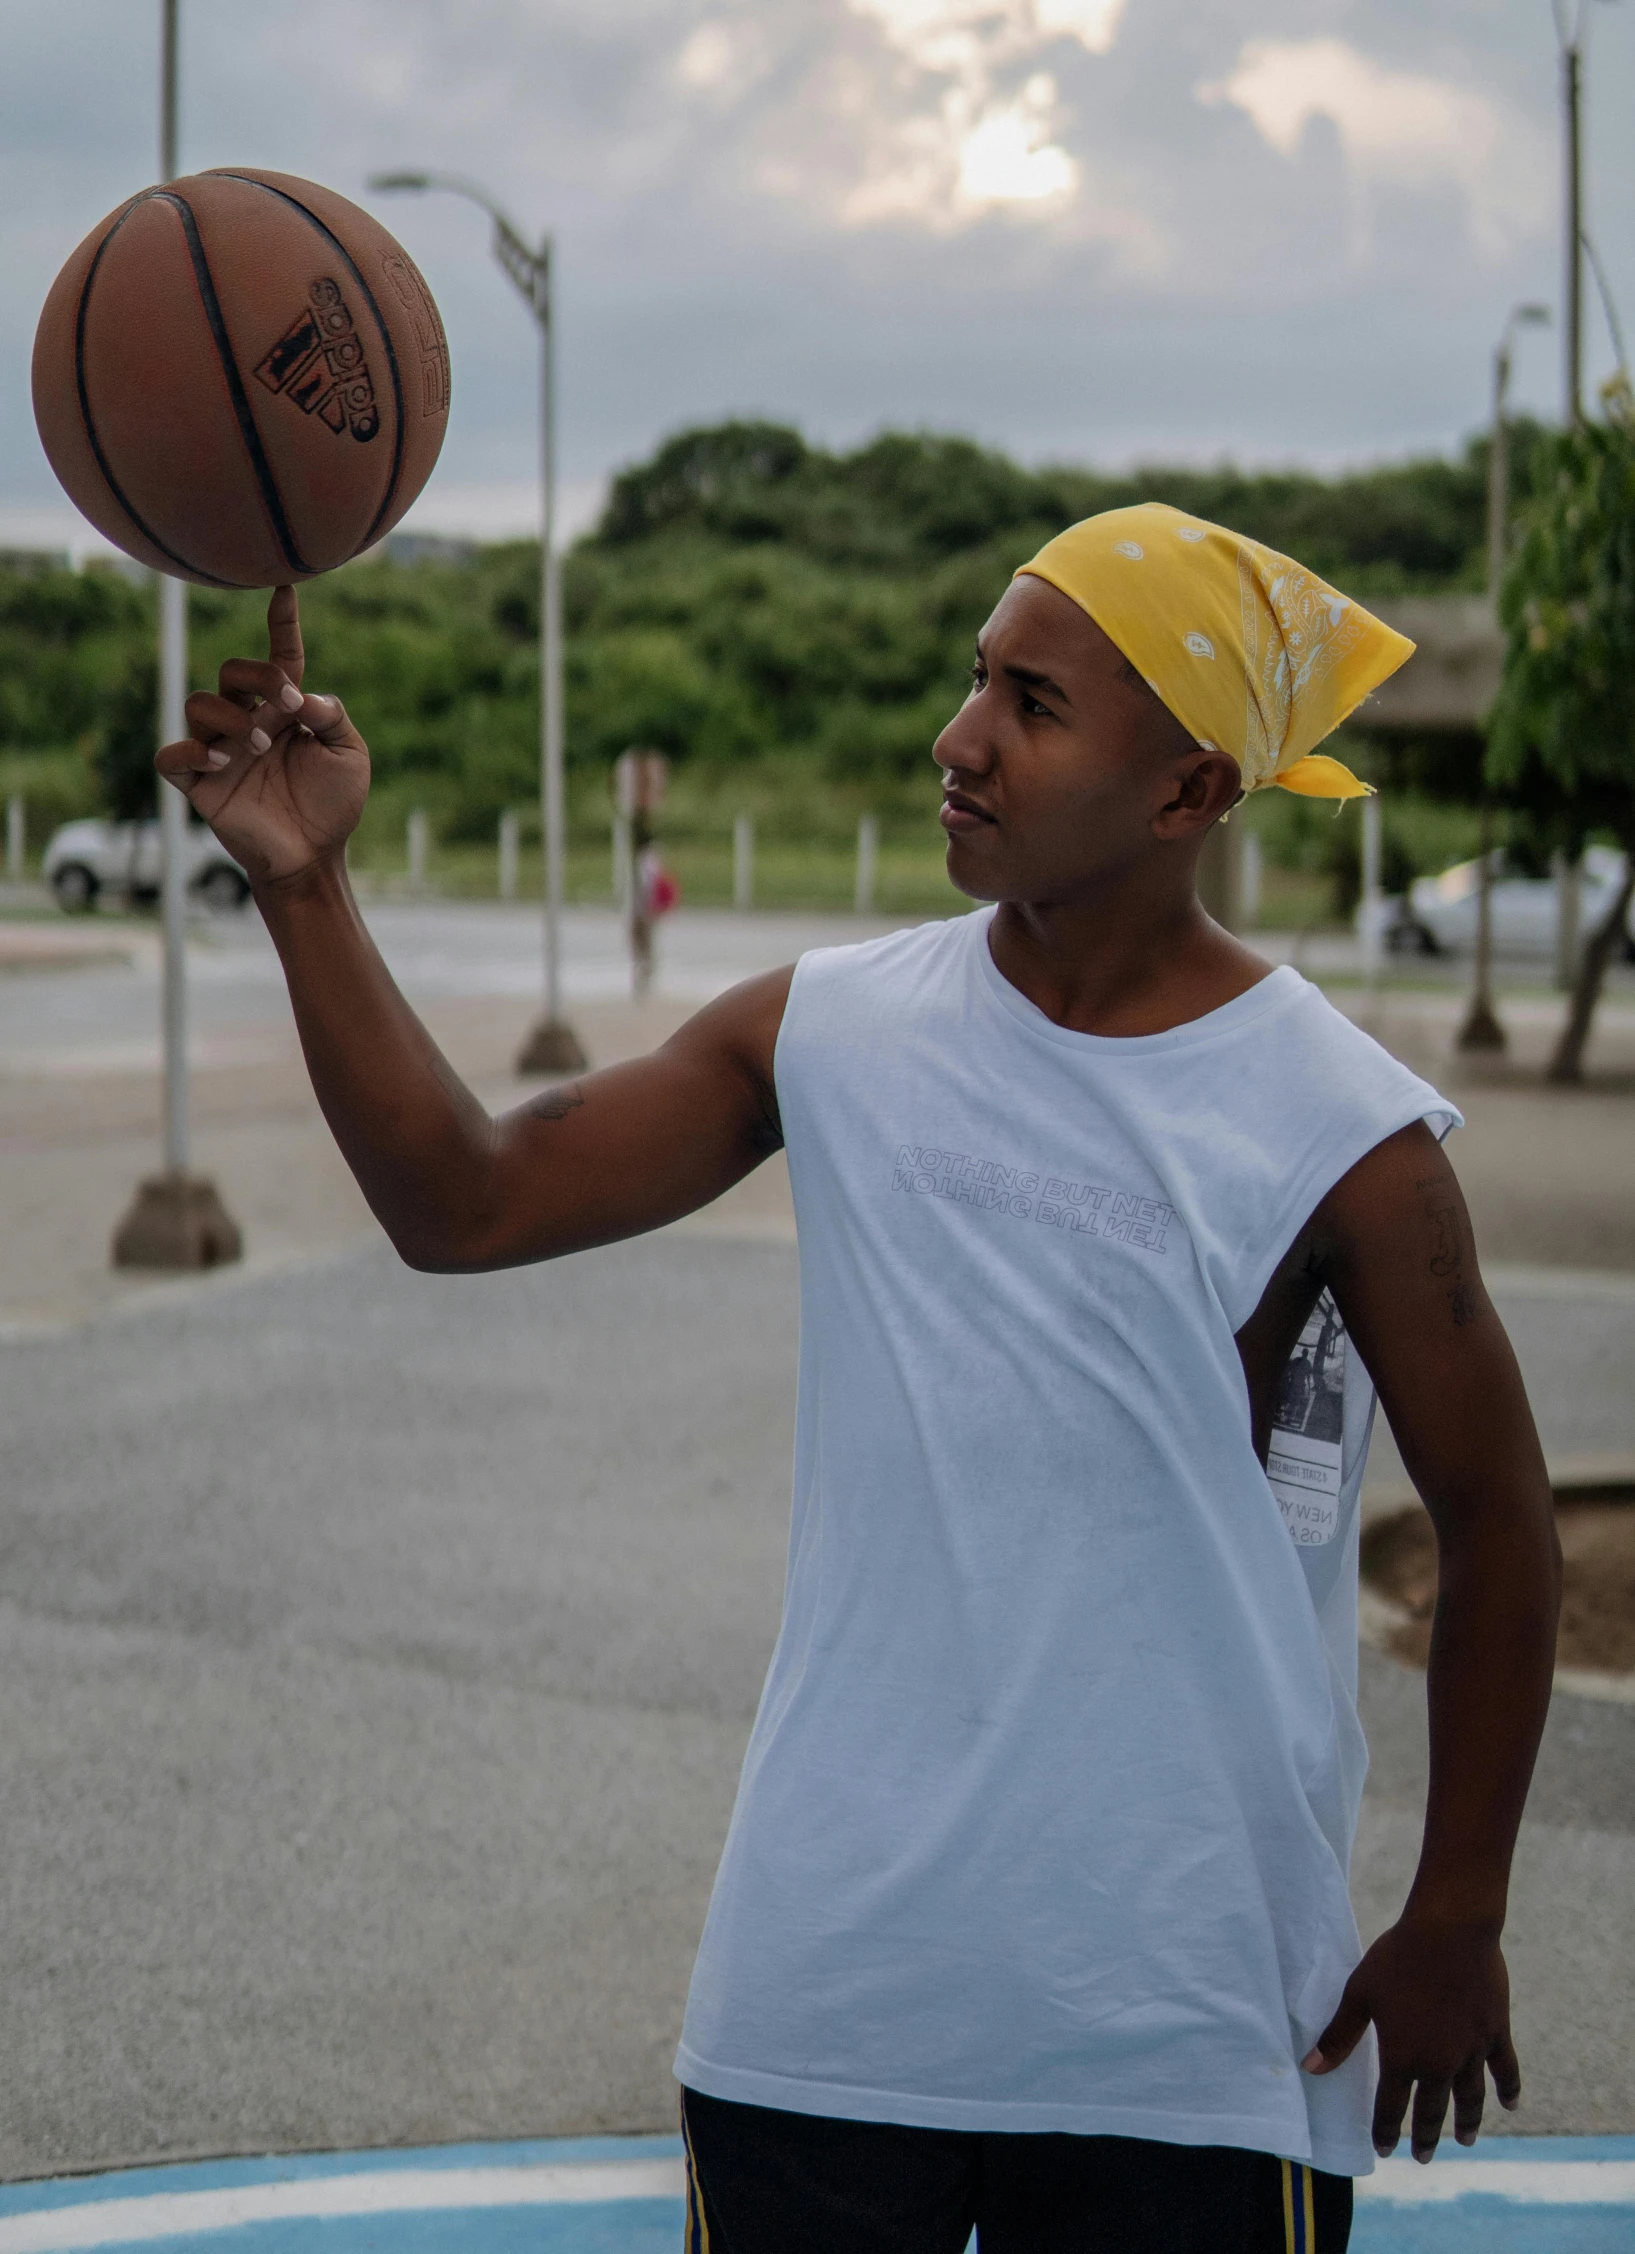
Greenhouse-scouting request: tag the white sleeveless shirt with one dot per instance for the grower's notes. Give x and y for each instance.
(1046, 1816)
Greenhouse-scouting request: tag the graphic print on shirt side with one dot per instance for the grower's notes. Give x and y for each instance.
(1308, 1429)
(1048, 1200)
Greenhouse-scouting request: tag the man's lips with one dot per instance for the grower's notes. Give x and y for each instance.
(961, 814)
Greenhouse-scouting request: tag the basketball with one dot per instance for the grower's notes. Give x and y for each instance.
(241, 379)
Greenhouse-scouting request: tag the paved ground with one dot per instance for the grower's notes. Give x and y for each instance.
(377, 1651)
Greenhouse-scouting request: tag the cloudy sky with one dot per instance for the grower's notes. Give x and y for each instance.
(1105, 230)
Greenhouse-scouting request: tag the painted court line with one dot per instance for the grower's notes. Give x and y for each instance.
(1530, 2183)
(187, 2214)
(1533, 2177)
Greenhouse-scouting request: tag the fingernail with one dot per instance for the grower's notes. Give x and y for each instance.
(260, 740)
(215, 758)
(289, 696)
(1425, 2158)
(1311, 2062)
(1383, 2149)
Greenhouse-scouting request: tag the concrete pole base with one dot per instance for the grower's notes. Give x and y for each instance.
(1481, 1031)
(177, 1221)
(553, 1046)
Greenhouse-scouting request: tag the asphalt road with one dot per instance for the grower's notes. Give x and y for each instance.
(377, 1653)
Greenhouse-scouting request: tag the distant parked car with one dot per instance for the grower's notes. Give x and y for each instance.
(86, 859)
(1437, 916)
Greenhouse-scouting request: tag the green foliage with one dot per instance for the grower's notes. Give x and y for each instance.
(123, 761)
(64, 639)
(750, 604)
(1563, 729)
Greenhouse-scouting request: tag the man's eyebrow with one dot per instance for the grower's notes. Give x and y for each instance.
(1032, 680)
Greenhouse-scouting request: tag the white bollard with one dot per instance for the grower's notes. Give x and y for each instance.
(419, 839)
(623, 866)
(16, 833)
(1249, 883)
(510, 839)
(743, 862)
(1569, 881)
(868, 855)
(1373, 899)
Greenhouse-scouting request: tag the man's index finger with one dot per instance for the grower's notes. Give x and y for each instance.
(284, 633)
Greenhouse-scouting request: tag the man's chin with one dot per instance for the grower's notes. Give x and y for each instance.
(968, 873)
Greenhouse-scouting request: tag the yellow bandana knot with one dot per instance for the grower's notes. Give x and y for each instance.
(1253, 654)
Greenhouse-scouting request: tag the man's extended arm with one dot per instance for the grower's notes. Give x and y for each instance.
(282, 778)
(1393, 1243)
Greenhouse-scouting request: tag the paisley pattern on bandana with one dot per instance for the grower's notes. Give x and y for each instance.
(1295, 655)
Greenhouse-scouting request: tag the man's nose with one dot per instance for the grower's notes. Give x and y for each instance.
(964, 744)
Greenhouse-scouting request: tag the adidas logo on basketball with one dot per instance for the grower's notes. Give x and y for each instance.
(318, 362)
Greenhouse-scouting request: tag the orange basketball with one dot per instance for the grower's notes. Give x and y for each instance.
(241, 379)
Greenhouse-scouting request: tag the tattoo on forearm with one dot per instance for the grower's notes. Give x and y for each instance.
(1448, 1259)
(556, 1103)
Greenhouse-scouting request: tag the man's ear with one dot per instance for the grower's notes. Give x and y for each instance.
(1205, 786)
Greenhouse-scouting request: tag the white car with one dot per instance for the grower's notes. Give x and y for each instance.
(1438, 914)
(86, 859)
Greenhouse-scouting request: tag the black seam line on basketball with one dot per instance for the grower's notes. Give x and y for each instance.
(242, 409)
(86, 417)
(369, 298)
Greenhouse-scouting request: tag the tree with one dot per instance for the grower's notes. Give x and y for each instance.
(129, 739)
(1562, 735)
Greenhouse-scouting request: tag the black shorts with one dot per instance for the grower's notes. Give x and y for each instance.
(760, 2182)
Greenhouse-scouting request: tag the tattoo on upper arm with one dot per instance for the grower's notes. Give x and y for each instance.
(556, 1103)
(1448, 1259)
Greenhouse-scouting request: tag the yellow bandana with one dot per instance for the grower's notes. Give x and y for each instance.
(1253, 654)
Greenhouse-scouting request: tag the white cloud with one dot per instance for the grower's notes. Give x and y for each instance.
(952, 137)
(1399, 129)
(1008, 156)
(1093, 23)
(708, 57)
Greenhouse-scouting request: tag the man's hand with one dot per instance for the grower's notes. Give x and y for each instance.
(1438, 1998)
(280, 777)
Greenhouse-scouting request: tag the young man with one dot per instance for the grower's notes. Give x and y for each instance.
(1033, 1915)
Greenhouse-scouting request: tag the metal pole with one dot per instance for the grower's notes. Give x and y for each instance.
(1498, 472)
(1574, 292)
(173, 725)
(175, 1220)
(553, 1045)
(1373, 902)
(550, 649)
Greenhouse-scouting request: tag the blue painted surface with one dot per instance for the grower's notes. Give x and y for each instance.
(1476, 2223)
(629, 2226)
(309, 2167)
(1492, 2226)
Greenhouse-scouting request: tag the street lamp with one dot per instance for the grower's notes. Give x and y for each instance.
(1571, 38)
(176, 1219)
(1498, 461)
(552, 1046)
(1482, 1029)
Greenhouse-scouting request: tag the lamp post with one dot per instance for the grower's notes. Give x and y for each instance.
(1571, 40)
(552, 1046)
(1482, 1029)
(176, 1219)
